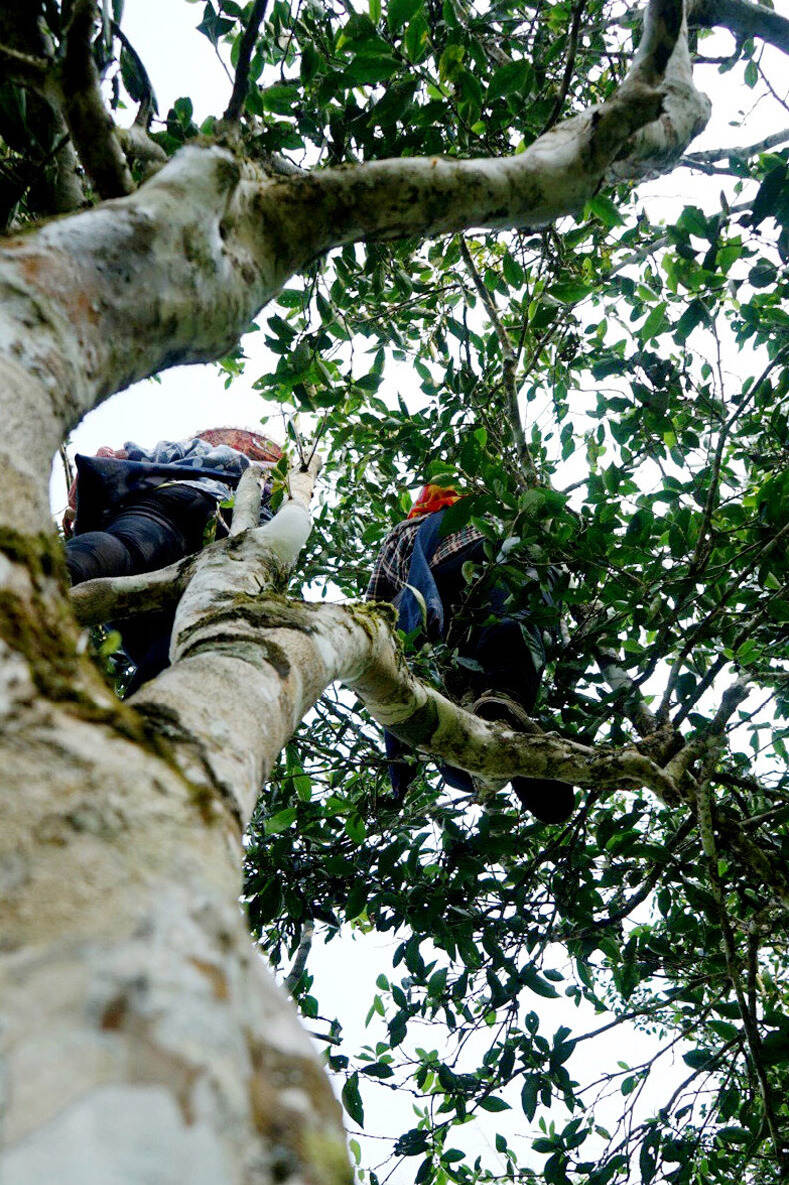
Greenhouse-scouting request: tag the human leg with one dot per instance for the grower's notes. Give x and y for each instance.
(498, 668)
(155, 531)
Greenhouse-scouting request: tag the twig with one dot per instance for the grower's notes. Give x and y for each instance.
(509, 367)
(241, 83)
(318, 434)
(297, 437)
(67, 466)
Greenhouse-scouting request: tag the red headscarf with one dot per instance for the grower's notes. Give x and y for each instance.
(251, 444)
(432, 498)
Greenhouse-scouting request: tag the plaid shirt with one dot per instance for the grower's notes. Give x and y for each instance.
(394, 559)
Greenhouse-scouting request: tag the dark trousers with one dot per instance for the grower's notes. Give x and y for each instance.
(493, 652)
(152, 532)
(487, 635)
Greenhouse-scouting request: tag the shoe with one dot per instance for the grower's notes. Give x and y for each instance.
(548, 800)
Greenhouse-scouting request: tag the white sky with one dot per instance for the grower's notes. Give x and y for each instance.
(190, 398)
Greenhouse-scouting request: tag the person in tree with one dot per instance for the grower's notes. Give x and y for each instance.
(135, 510)
(500, 652)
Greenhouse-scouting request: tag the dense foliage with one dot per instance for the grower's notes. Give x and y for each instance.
(611, 394)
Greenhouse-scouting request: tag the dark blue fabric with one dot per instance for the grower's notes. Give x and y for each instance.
(496, 644)
(105, 484)
(158, 528)
(420, 577)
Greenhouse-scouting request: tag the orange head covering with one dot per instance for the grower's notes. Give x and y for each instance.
(432, 498)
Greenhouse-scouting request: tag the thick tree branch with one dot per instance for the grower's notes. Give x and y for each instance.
(91, 125)
(116, 597)
(246, 49)
(742, 19)
(664, 56)
(622, 684)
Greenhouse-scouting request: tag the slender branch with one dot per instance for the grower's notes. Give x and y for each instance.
(569, 66)
(301, 481)
(623, 685)
(91, 125)
(730, 700)
(68, 470)
(509, 367)
(709, 507)
(661, 241)
(302, 954)
(697, 159)
(241, 83)
(24, 68)
(648, 884)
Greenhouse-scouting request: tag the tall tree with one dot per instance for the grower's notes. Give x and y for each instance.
(142, 1039)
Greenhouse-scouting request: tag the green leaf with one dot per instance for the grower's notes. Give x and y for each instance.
(529, 1093)
(570, 291)
(698, 1059)
(355, 828)
(356, 900)
(647, 1159)
(695, 314)
(280, 822)
(352, 1100)
(492, 1103)
(310, 61)
(366, 69)
(537, 984)
(399, 12)
(655, 323)
(603, 208)
(510, 79)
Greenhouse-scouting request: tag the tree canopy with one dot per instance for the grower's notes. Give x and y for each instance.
(609, 392)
